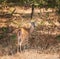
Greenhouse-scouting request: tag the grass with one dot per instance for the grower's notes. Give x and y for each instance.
(4, 29)
(58, 37)
(1, 36)
(13, 36)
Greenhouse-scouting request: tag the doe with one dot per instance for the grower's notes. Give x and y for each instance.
(23, 34)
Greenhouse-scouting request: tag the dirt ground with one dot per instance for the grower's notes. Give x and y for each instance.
(31, 54)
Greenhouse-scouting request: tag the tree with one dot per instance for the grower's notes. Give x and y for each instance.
(58, 5)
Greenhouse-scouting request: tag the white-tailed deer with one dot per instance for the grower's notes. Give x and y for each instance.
(24, 33)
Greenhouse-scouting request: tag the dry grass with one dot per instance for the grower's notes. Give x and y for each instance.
(31, 54)
(40, 37)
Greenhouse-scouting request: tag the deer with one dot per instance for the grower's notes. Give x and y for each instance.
(23, 34)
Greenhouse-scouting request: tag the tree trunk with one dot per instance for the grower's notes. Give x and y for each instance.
(32, 11)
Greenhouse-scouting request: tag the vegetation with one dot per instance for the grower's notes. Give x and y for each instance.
(15, 14)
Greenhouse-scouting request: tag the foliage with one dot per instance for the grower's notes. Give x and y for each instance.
(58, 37)
(13, 36)
(1, 1)
(4, 29)
(39, 3)
(1, 36)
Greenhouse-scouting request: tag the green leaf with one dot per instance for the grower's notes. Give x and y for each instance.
(1, 36)
(4, 29)
(58, 37)
(13, 37)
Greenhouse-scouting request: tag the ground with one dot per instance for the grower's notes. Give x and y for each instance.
(41, 37)
(31, 54)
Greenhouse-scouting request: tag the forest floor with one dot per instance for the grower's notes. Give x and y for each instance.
(44, 36)
(31, 54)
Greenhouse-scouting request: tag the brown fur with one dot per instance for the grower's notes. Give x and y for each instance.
(23, 35)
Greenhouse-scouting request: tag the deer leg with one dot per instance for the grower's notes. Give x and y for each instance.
(20, 47)
(26, 44)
